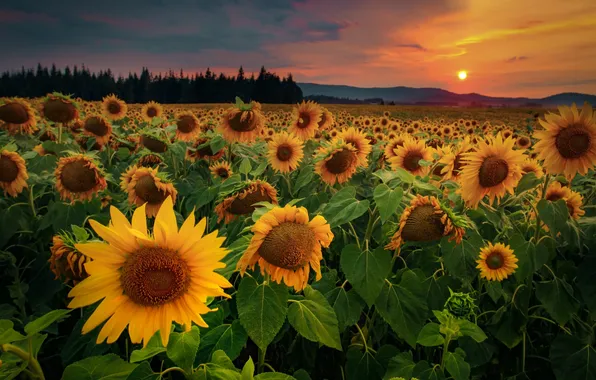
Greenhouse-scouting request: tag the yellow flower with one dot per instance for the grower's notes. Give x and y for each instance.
(13, 173)
(496, 262)
(285, 152)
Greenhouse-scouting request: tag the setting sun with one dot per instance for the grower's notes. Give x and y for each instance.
(462, 75)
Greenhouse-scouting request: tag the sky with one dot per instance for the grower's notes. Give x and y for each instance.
(530, 48)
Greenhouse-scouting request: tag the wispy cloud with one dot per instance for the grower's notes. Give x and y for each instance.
(516, 59)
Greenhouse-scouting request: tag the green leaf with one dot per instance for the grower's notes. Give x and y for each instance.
(477, 354)
(554, 214)
(262, 309)
(403, 306)
(430, 335)
(80, 233)
(153, 348)
(143, 372)
(362, 365)
(109, 366)
(344, 207)
(366, 270)
(572, 359)
(245, 166)
(42, 322)
(302, 375)
(586, 284)
(557, 298)
(460, 259)
(401, 365)
(182, 348)
(472, 330)
(527, 182)
(347, 306)
(248, 370)
(404, 175)
(304, 177)
(230, 338)
(387, 200)
(386, 176)
(216, 144)
(494, 290)
(274, 376)
(457, 366)
(7, 333)
(315, 319)
(507, 326)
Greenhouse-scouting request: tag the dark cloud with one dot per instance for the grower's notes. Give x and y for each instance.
(412, 46)
(516, 59)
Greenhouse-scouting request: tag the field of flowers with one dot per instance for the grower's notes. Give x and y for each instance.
(248, 241)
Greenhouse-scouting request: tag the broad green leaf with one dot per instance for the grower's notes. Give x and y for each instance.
(315, 319)
(430, 335)
(456, 365)
(248, 370)
(182, 347)
(304, 177)
(507, 326)
(386, 176)
(387, 200)
(362, 365)
(403, 306)
(424, 371)
(262, 309)
(274, 376)
(9, 371)
(245, 166)
(527, 182)
(344, 207)
(557, 298)
(472, 330)
(494, 290)
(554, 214)
(460, 259)
(477, 354)
(301, 375)
(230, 338)
(153, 348)
(42, 322)
(109, 366)
(347, 305)
(216, 144)
(401, 365)
(144, 372)
(7, 333)
(572, 359)
(586, 284)
(366, 270)
(405, 175)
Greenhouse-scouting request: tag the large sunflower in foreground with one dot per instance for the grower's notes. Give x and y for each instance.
(496, 262)
(493, 169)
(242, 201)
(336, 162)
(426, 219)
(286, 245)
(13, 173)
(285, 151)
(187, 126)
(306, 117)
(146, 186)
(242, 122)
(147, 281)
(409, 155)
(568, 142)
(98, 127)
(113, 108)
(78, 177)
(18, 116)
(358, 141)
(151, 110)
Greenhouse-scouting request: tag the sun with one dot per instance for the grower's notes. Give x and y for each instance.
(462, 75)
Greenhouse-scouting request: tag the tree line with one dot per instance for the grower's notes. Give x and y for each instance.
(170, 88)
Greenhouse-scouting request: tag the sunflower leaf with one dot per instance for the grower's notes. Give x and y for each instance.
(365, 270)
(44, 321)
(387, 200)
(362, 365)
(182, 348)
(572, 359)
(558, 299)
(99, 367)
(456, 365)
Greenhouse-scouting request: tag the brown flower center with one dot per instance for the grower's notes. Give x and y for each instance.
(148, 191)
(114, 107)
(284, 152)
(243, 206)
(59, 111)
(340, 161)
(493, 171)
(423, 224)
(243, 121)
(223, 173)
(8, 169)
(154, 144)
(97, 126)
(14, 113)
(152, 112)
(186, 124)
(412, 161)
(495, 260)
(523, 141)
(303, 120)
(573, 142)
(78, 177)
(154, 276)
(288, 246)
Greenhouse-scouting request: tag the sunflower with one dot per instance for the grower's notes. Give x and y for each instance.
(326, 119)
(78, 178)
(242, 122)
(426, 219)
(98, 127)
(532, 166)
(242, 201)
(409, 155)
(306, 118)
(66, 262)
(113, 108)
(147, 186)
(392, 144)
(13, 173)
(18, 116)
(187, 126)
(150, 160)
(453, 160)
(573, 199)
(359, 142)
(221, 170)
(154, 143)
(523, 142)
(149, 281)
(496, 262)
(151, 110)
(59, 108)
(201, 149)
(286, 245)
(568, 142)
(285, 152)
(493, 169)
(336, 162)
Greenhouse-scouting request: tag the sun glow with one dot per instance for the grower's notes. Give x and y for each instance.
(462, 75)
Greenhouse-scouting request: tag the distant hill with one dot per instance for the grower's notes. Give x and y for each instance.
(429, 96)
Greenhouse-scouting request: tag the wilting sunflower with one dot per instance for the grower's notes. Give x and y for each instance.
(532, 166)
(336, 162)
(568, 142)
(326, 119)
(146, 186)
(147, 281)
(113, 108)
(306, 118)
(151, 110)
(493, 169)
(287, 245)
(18, 116)
(98, 127)
(221, 170)
(426, 219)
(409, 155)
(358, 141)
(285, 152)
(242, 201)
(150, 160)
(453, 160)
(242, 122)
(66, 262)
(154, 143)
(78, 177)
(13, 173)
(573, 199)
(187, 126)
(59, 108)
(496, 262)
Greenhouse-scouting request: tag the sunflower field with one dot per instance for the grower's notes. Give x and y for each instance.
(248, 241)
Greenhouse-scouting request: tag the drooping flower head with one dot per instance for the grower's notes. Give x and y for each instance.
(79, 177)
(147, 186)
(242, 122)
(13, 173)
(242, 200)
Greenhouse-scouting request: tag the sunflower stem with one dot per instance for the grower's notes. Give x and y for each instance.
(524, 352)
(369, 227)
(59, 133)
(31, 201)
(28, 357)
(287, 178)
(445, 351)
(538, 220)
(262, 354)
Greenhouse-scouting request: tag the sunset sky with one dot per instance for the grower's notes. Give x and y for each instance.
(529, 48)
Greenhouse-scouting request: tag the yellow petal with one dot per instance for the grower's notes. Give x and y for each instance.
(139, 220)
(102, 252)
(167, 217)
(103, 312)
